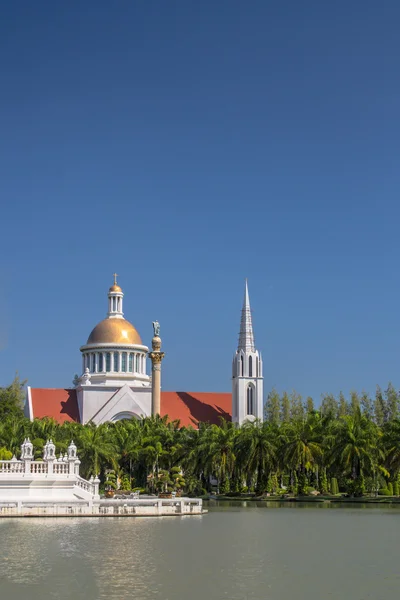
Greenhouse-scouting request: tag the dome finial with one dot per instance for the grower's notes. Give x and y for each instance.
(115, 287)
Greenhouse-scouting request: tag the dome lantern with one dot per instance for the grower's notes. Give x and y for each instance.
(115, 296)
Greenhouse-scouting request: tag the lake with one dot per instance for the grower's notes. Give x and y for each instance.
(235, 552)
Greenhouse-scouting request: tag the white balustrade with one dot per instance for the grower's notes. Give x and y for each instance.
(11, 466)
(60, 468)
(39, 467)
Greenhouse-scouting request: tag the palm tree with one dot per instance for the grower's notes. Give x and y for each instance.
(300, 448)
(256, 452)
(391, 444)
(12, 433)
(217, 452)
(355, 451)
(96, 449)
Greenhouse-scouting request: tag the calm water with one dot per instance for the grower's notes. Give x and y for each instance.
(233, 552)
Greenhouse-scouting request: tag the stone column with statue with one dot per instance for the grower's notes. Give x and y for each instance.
(156, 357)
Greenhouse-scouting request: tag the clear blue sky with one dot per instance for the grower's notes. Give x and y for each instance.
(188, 145)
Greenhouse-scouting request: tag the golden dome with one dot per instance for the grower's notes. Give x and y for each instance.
(114, 331)
(115, 288)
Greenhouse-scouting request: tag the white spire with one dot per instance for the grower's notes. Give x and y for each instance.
(246, 336)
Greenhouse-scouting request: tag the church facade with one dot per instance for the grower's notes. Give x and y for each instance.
(115, 383)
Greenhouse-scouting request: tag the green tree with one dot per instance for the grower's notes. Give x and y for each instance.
(343, 407)
(285, 408)
(354, 403)
(272, 407)
(301, 444)
(255, 450)
(309, 405)
(329, 406)
(12, 398)
(366, 406)
(380, 408)
(392, 402)
(296, 406)
(355, 443)
(96, 449)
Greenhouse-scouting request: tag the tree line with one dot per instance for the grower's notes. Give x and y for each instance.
(346, 445)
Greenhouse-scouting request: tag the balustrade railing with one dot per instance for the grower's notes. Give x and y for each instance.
(85, 485)
(11, 466)
(39, 467)
(60, 468)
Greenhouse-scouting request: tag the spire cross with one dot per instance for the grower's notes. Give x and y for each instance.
(115, 275)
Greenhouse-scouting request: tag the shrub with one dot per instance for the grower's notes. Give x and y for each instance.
(395, 489)
(5, 454)
(390, 488)
(384, 492)
(356, 487)
(111, 481)
(294, 487)
(303, 484)
(323, 482)
(334, 486)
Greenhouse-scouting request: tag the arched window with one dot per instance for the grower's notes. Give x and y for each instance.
(100, 362)
(250, 366)
(241, 365)
(130, 364)
(116, 362)
(250, 400)
(108, 362)
(123, 366)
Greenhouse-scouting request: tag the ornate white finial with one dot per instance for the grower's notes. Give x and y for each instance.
(45, 450)
(85, 379)
(115, 275)
(23, 450)
(28, 453)
(51, 450)
(72, 451)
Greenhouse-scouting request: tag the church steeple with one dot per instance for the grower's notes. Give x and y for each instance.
(246, 336)
(247, 371)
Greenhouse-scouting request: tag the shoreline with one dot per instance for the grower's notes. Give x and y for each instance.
(307, 499)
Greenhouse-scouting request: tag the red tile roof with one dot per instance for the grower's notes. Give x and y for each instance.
(59, 404)
(189, 408)
(192, 408)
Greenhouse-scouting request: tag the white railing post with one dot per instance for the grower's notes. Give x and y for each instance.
(72, 457)
(27, 454)
(96, 483)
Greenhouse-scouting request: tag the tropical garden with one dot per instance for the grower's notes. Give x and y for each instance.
(347, 446)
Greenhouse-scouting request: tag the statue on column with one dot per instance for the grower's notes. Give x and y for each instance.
(156, 327)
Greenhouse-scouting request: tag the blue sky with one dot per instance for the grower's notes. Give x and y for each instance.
(188, 145)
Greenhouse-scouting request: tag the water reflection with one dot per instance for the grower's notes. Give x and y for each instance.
(237, 552)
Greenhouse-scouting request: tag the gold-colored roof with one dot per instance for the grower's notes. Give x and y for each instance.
(114, 331)
(115, 288)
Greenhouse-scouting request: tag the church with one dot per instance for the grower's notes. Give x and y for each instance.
(115, 383)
